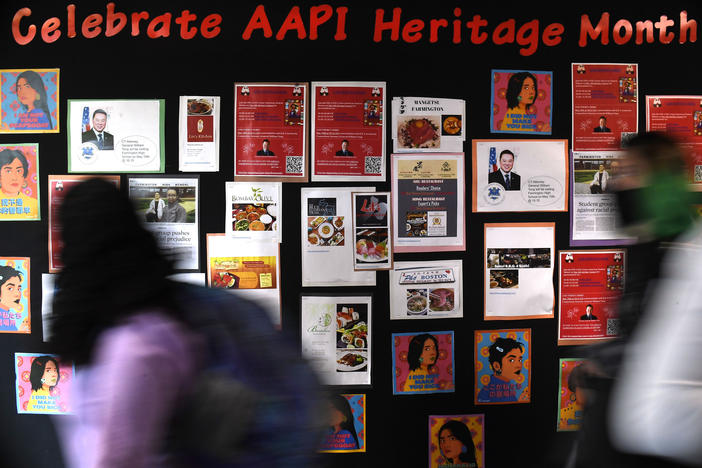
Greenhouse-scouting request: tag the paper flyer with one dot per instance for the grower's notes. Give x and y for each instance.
(502, 366)
(249, 268)
(328, 249)
(521, 102)
(58, 185)
(428, 202)
(520, 175)
(347, 424)
(336, 337)
(19, 182)
(348, 131)
(591, 282)
(270, 131)
(605, 105)
(198, 133)
(426, 290)
(113, 135)
(423, 124)
(422, 363)
(457, 440)
(43, 384)
(371, 231)
(169, 208)
(571, 394)
(254, 210)
(519, 263)
(30, 100)
(15, 313)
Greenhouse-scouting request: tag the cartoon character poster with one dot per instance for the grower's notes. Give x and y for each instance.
(15, 314)
(571, 394)
(19, 182)
(29, 101)
(457, 440)
(502, 366)
(347, 424)
(521, 102)
(423, 362)
(44, 384)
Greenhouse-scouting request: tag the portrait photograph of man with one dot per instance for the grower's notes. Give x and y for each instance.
(504, 175)
(97, 134)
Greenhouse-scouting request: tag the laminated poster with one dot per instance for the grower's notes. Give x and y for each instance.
(502, 366)
(347, 424)
(19, 182)
(519, 261)
(371, 231)
(112, 135)
(169, 208)
(457, 440)
(253, 210)
(29, 100)
(251, 268)
(428, 202)
(270, 128)
(58, 184)
(521, 102)
(520, 175)
(571, 380)
(421, 125)
(48, 289)
(605, 105)
(591, 282)
(43, 384)
(348, 131)
(681, 118)
(15, 314)
(422, 363)
(426, 289)
(336, 337)
(328, 249)
(198, 133)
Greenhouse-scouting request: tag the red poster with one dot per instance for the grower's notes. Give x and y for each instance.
(270, 132)
(605, 98)
(591, 283)
(681, 118)
(348, 131)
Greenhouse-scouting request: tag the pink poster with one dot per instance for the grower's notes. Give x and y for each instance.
(423, 362)
(44, 384)
(521, 102)
(457, 440)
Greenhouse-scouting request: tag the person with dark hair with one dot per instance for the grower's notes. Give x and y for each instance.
(571, 414)
(422, 354)
(155, 211)
(344, 151)
(456, 445)
(588, 315)
(102, 139)
(602, 127)
(522, 90)
(33, 101)
(504, 176)
(265, 151)
(14, 170)
(342, 431)
(173, 212)
(44, 376)
(10, 297)
(505, 358)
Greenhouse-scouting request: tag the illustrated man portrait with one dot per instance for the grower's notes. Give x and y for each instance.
(174, 212)
(265, 151)
(97, 134)
(588, 313)
(599, 182)
(10, 296)
(602, 127)
(504, 175)
(505, 358)
(344, 151)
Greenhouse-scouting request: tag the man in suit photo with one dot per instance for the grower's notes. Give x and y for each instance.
(588, 313)
(97, 134)
(344, 151)
(504, 175)
(264, 151)
(602, 127)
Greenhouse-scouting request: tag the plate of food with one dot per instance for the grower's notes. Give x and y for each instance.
(369, 249)
(312, 238)
(199, 107)
(441, 299)
(326, 230)
(350, 361)
(419, 132)
(416, 304)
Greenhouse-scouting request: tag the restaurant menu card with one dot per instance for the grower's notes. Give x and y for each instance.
(426, 290)
(254, 210)
(423, 124)
(198, 134)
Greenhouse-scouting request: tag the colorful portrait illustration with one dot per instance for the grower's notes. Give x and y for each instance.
(502, 367)
(627, 89)
(571, 395)
(43, 384)
(521, 101)
(29, 101)
(423, 362)
(457, 440)
(15, 314)
(347, 424)
(19, 182)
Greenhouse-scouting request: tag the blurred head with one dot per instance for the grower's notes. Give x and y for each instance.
(588, 309)
(341, 416)
(344, 145)
(423, 351)
(521, 89)
(44, 373)
(506, 160)
(456, 443)
(157, 196)
(265, 144)
(576, 383)
(10, 287)
(13, 171)
(603, 121)
(505, 357)
(172, 196)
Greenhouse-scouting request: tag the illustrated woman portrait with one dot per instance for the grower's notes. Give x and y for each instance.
(522, 90)
(34, 105)
(44, 376)
(14, 169)
(342, 433)
(422, 355)
(505, 357)
(456, 445)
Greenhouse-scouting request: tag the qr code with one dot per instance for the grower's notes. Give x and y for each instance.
(374, 165)
(293, 164)
(698, 173)
(612, 327)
